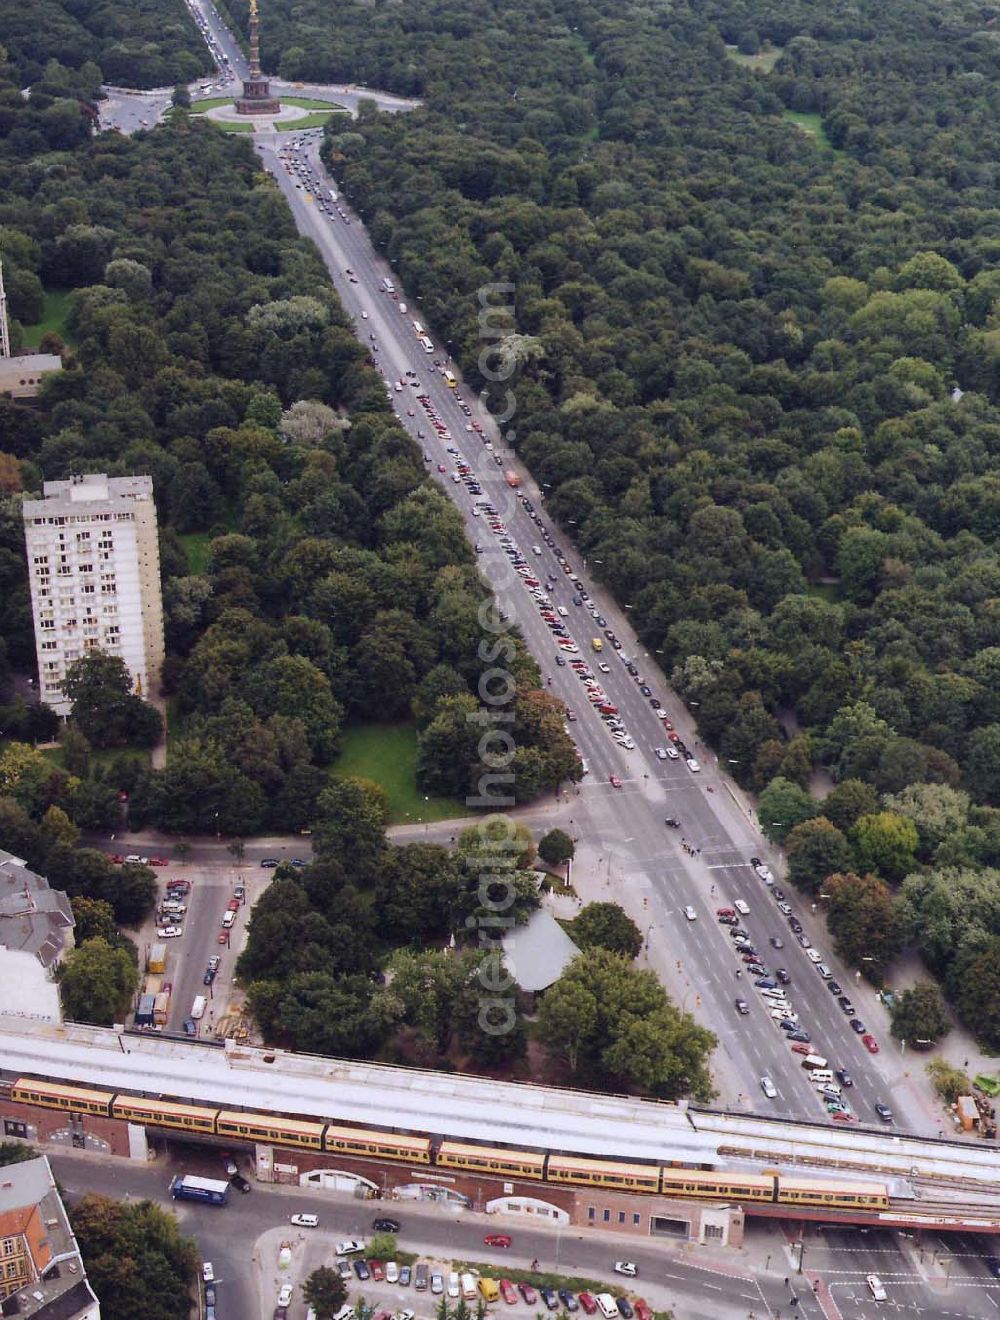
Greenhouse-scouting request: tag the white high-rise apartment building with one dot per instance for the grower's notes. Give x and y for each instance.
(94, 565)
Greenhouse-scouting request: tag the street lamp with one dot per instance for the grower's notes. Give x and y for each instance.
(802, 1251)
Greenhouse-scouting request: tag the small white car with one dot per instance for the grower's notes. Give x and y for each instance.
(207, 1271)
(690, 913)
(673, 753)
(768, 1087)
(391, 1272)
(169, 932)
(814, 955)
(349, 1247)
(661, 753)
(741, 906)
(626, 1267)
(305, 1221)
(693, 765)
(285, 1295)
(134, 859)
(876, 1287)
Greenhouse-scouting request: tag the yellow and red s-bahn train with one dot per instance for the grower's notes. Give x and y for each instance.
(499, 1161)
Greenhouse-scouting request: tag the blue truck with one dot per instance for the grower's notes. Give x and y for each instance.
(189, 1187)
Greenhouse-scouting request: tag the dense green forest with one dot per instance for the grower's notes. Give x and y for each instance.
(76, 45)
(744, 345)
(312, 571)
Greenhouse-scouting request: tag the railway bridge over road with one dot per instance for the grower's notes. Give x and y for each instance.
(637, 1165)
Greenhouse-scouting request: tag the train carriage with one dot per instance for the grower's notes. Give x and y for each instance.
(385, 1145)
(57, 1095)
(847, 1196)
(164, 1113)
(603, 1173)
(245, 1126)
(730, 1186)
(492, 1159)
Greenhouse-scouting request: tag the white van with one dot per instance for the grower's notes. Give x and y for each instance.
(775, 994)
(812, 1061)
(454, 1287)
(198, 1007)
(606, 1306)
(228, 917)
(821, 1076)
(469, 1291)
(402, 309)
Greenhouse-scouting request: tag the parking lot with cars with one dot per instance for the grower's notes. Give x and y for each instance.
(393, 1290)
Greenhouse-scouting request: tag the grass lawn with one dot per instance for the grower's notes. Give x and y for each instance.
(196, 548)
(53, 318)
(310, 103)
(309, 121)
(387, 754)
(764, 61)
(811, 125)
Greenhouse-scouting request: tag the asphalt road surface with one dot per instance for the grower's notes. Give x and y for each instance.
(642, 853)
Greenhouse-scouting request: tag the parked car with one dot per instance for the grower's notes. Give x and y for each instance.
(568, 1300)
(508, 1292)
(550, 1297)
(587, 1303)
(528, 1293)
(240, 1182)
(361, 1270)
(497, 1240)
(377, 1270)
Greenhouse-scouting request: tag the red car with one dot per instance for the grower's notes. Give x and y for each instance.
(223, 936)
(798, 1048)
(667, 725)
(117, 858)
(843, 1118)
(587, 1303)
(614, 781)
(870, 1044)
(507, 1292)
(377, 1269)
(675, 737)
(233, 905)
(497, 1240)
(528, 1293)
(159, 861)
(642, 1311)
(442, 468)
(180, 886)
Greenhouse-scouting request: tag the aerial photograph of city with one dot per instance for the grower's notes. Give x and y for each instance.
(499, 659)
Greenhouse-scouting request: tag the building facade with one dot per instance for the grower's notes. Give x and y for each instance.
(41, 1272)
(94, 569)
